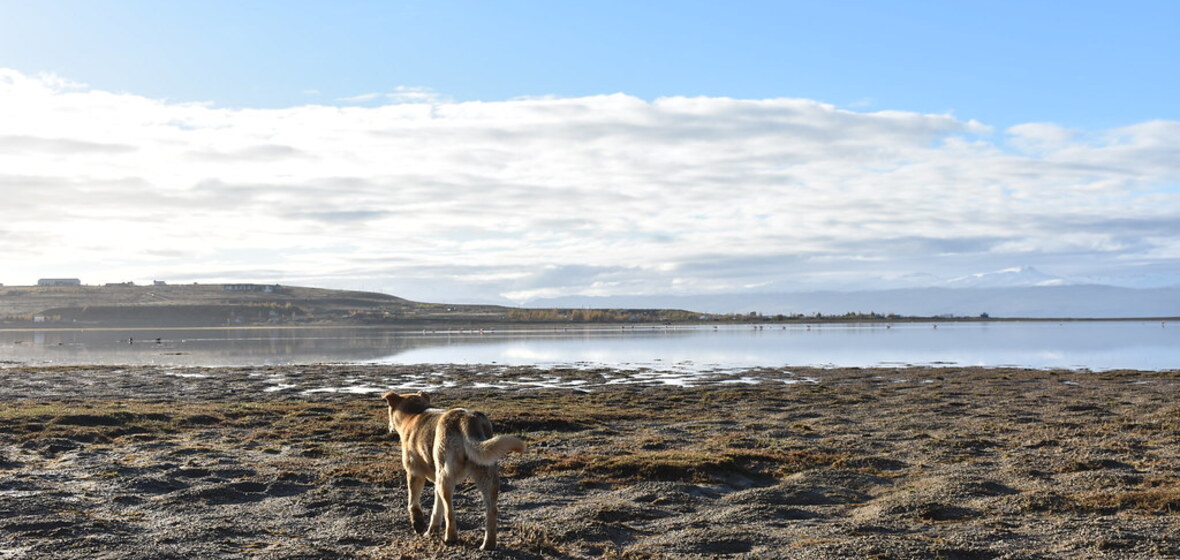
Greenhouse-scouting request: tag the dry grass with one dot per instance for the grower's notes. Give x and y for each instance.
(1150, 501)
(245, 422)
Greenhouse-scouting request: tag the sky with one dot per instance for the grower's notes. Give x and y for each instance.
(510, 151)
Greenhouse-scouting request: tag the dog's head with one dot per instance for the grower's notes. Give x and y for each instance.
(407, 404)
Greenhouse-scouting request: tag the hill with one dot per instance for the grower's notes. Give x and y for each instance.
(210, 305)
(216, 305)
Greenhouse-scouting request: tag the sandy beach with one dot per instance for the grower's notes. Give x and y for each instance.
(296, 462)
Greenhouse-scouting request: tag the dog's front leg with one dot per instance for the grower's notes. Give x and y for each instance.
(436, 512)
(417, 518)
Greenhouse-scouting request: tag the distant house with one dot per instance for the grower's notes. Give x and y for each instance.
(59, 282)
(159, 283)
(267, 288)
(119, 284)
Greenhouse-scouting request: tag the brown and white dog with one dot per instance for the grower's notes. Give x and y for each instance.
(447, 447)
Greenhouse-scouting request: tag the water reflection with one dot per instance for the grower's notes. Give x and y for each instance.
(200, 347)
(1094, 345)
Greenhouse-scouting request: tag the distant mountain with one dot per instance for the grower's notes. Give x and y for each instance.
(1027, 276)
(1007, 278)
(1140, 279)
(1062, 301)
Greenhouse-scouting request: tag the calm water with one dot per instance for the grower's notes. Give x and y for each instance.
(1093, 345)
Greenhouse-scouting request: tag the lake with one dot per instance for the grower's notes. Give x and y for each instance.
(1097, 345)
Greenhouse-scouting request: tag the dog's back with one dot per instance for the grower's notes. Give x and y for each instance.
(466, 436)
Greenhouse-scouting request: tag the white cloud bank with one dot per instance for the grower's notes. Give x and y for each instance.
(609, 194)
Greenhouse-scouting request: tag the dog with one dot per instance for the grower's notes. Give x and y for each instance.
(447, 447)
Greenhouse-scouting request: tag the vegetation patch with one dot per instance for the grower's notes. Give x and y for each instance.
(1152, 501)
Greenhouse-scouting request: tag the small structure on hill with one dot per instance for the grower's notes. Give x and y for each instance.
(59, 282)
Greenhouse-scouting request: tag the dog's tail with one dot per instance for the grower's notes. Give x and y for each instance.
(488, 451)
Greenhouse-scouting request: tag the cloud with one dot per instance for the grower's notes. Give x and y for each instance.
(589, 195)
(16, 144)
(258, 153)
(360, 98)
(400, 94)
(342, 216)
(1040, 137)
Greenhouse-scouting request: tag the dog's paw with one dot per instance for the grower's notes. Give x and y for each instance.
(418, 522)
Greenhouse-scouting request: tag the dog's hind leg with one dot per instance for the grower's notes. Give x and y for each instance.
(488, 481)
(417, 518)
(444, 492)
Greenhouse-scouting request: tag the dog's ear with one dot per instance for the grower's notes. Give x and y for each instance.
(425, 397)
(392, 398)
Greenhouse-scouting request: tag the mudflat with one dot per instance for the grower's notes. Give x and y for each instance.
(296, 462)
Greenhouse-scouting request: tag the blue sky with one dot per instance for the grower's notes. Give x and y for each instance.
(1078, 64)
(505, 151)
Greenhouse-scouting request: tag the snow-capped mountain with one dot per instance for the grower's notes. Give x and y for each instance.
(1008, 278)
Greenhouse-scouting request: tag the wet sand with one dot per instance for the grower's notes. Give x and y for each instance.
(296, 462)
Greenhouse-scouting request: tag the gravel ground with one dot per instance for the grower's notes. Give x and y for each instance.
(296, 462)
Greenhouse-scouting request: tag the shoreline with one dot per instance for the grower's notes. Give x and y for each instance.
(540, 326)
(967, 463)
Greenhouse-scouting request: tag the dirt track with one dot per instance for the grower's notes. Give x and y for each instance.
(295, 462)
